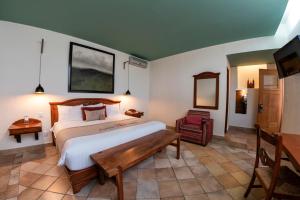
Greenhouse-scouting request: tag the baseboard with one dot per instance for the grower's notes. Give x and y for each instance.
(171, 128)
(241, 128)
(23, 149)
(216, 137)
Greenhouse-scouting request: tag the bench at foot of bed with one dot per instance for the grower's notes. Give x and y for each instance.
(114, 161)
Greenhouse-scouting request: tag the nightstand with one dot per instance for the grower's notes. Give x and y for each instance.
(20, 127)
(134, 113)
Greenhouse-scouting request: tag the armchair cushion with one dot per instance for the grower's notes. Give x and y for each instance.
(193, 119)
(191, 127)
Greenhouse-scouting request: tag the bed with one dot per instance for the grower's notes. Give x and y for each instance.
(76, 140)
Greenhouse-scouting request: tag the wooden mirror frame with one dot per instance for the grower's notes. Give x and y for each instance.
(207, 75)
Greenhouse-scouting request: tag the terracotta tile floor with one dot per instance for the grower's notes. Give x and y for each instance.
(217, 171)
(244, 138)
(241, 137)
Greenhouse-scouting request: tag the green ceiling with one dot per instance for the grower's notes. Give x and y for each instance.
(150, 29)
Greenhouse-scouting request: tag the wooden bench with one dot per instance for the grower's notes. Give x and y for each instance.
(114, 161)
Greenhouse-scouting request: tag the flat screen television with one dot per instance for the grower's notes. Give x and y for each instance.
(287, 58)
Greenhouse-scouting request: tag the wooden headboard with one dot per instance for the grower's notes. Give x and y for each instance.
(76, 102)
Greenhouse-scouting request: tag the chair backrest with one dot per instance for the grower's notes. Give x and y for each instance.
(262, 152)
(263, 155)
(203, 114)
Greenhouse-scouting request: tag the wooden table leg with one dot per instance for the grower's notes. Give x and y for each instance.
(101, 177)
(119, 182)
(178, 148)
(18, 138)
(36, 136)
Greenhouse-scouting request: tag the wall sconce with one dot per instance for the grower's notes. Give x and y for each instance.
(244, 93)
(39, 89)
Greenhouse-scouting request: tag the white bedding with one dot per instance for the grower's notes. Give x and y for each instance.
(76, 151)
(58, 126)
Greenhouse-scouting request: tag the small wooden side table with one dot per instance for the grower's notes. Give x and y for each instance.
(134, 113)
(20, 127)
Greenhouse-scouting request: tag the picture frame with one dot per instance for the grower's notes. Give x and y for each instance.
(91, 70)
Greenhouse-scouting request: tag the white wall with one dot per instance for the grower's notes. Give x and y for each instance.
(237, 119)
(291, 114)
(250, 72)
(19, 65)
(171, 89)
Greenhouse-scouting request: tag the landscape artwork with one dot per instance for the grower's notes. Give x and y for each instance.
(90, 70)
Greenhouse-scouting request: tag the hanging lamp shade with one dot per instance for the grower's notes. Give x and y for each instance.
(39, 89)
(127, 92)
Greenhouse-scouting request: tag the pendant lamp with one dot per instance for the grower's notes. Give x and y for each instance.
(127, 92)
(39, 89)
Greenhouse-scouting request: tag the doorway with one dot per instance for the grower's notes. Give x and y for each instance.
(255, 96)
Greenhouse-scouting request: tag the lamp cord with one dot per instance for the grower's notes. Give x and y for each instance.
(128, 76)
(40, 69)
(124, 66)
(42, 50)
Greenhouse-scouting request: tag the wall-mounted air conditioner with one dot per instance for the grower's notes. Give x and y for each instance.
(138, 62)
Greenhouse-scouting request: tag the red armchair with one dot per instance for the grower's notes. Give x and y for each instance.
(196, 127)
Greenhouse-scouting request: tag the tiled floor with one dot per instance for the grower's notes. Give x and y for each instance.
(245, 138)
(241, 137)
(216, 172)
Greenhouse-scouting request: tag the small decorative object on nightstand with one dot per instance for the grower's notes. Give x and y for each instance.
(25, 127)
(134, 113)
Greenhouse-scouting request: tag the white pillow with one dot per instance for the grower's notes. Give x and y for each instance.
(69, 113)
(112, 110)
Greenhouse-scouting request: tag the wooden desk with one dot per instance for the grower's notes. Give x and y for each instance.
(291, 146)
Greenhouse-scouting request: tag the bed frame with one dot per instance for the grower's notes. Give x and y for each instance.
(78, 178)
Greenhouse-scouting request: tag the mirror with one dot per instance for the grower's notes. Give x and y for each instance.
(206, 90)
(241, 101)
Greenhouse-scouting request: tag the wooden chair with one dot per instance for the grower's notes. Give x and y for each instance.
(278, 181)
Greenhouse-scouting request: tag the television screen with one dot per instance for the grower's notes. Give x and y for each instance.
(288, 58)
(291, 64)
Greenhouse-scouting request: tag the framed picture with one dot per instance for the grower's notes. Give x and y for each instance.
(90, 70)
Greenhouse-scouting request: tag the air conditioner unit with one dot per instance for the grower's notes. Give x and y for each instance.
(138, 62)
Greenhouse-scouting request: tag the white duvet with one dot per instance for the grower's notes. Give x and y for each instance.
(76, 151)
